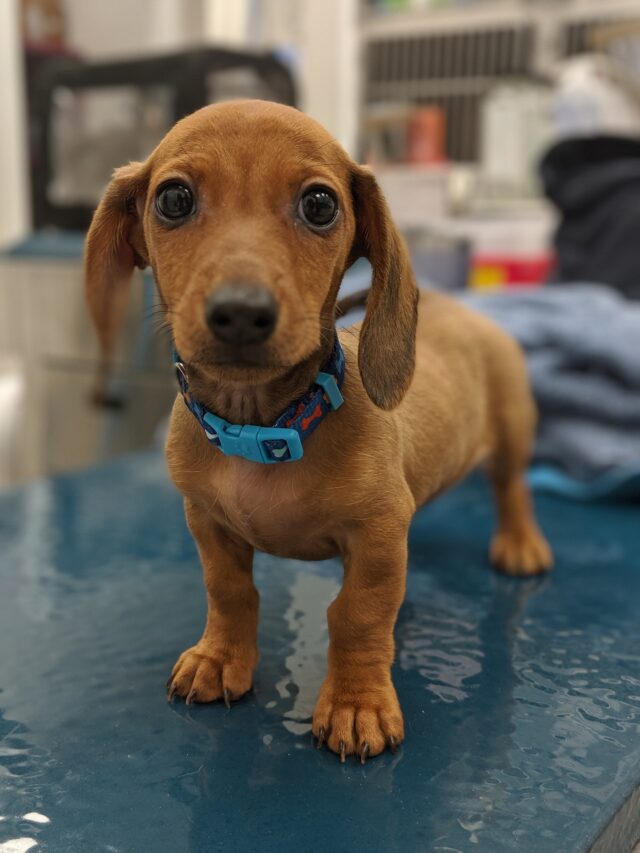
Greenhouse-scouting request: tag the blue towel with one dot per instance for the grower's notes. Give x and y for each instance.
(583, 348)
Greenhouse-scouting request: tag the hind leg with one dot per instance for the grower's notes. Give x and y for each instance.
(518, 546)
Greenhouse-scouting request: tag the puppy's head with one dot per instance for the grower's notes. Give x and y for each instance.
(249, 213)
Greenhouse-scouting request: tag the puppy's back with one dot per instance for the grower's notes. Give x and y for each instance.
(469, 373)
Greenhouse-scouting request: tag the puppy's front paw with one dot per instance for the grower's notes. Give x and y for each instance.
(522, 553)
(362, 717)
(201, 674)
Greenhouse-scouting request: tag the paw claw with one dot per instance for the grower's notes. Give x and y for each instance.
(200, 673)
(393, 744)
(357, 720)
(320, 738)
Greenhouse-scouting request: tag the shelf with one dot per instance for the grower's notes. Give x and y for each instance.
(488, 15)
(377, 25)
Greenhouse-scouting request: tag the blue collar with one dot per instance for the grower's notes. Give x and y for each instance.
(283, 441)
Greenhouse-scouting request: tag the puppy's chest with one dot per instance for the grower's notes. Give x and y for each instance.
(273, 511)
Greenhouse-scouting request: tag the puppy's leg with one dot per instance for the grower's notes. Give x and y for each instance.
(221, 664)
(358, 710)
(518, 547)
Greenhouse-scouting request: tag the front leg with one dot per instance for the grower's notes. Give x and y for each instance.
(221, 664)
(358, 710)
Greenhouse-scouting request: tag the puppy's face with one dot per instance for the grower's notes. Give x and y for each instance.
(248, 224)
(249, 214)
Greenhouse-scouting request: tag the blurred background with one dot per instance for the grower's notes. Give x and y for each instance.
(505, 134)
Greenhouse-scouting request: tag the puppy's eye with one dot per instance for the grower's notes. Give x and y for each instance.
(174, 201)
(318, 207)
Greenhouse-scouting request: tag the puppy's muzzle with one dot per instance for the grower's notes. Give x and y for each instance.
(241, 314)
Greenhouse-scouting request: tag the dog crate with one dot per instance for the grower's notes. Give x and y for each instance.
(88, 118)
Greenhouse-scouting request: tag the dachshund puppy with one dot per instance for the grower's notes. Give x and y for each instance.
(249, 213)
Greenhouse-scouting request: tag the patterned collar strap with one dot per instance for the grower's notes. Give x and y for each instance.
(283, 441)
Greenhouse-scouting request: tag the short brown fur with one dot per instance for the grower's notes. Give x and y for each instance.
(431, 389)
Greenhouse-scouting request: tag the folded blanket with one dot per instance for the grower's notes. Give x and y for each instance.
(583, 348)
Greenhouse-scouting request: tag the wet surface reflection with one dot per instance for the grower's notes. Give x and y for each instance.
(521, 699)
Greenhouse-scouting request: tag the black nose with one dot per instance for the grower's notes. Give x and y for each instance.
(241, 314)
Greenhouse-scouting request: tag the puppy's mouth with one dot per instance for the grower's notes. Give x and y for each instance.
(248, 355)
(243, 361)
(240, 363)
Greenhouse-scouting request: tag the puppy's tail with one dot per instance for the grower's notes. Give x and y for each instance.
(351, 302)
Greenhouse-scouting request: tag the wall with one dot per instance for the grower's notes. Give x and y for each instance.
(14, 210)
(322, 38)
(329, 49)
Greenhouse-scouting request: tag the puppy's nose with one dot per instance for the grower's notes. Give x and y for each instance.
(241, 314)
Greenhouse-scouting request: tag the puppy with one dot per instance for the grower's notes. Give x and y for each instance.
(249, 213)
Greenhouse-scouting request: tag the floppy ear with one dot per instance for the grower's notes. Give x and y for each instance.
(115, 245)
(386, 354)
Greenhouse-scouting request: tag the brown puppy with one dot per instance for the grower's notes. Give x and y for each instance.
(420, 409)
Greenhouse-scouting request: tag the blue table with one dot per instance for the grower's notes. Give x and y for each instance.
(522, 699)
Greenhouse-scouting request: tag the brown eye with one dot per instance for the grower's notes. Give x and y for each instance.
(318, 207)
(174, 201)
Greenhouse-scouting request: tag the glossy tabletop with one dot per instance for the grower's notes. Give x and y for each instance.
(521, 699)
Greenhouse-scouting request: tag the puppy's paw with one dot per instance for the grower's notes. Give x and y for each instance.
(360, 719)
(521, 554)
(203, 675)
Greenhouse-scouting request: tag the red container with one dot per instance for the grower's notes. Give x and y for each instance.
(493, 272)
(426, 137)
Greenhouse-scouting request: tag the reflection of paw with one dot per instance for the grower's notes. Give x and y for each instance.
(363, 719)
(200, 675)
(521, 554)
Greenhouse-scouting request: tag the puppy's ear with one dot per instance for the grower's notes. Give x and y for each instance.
(386, 355)
(115, 245)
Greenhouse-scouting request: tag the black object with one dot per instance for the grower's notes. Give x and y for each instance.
(595, 184)
(188, 77)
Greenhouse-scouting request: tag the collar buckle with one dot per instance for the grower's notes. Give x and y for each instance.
(248, 441)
